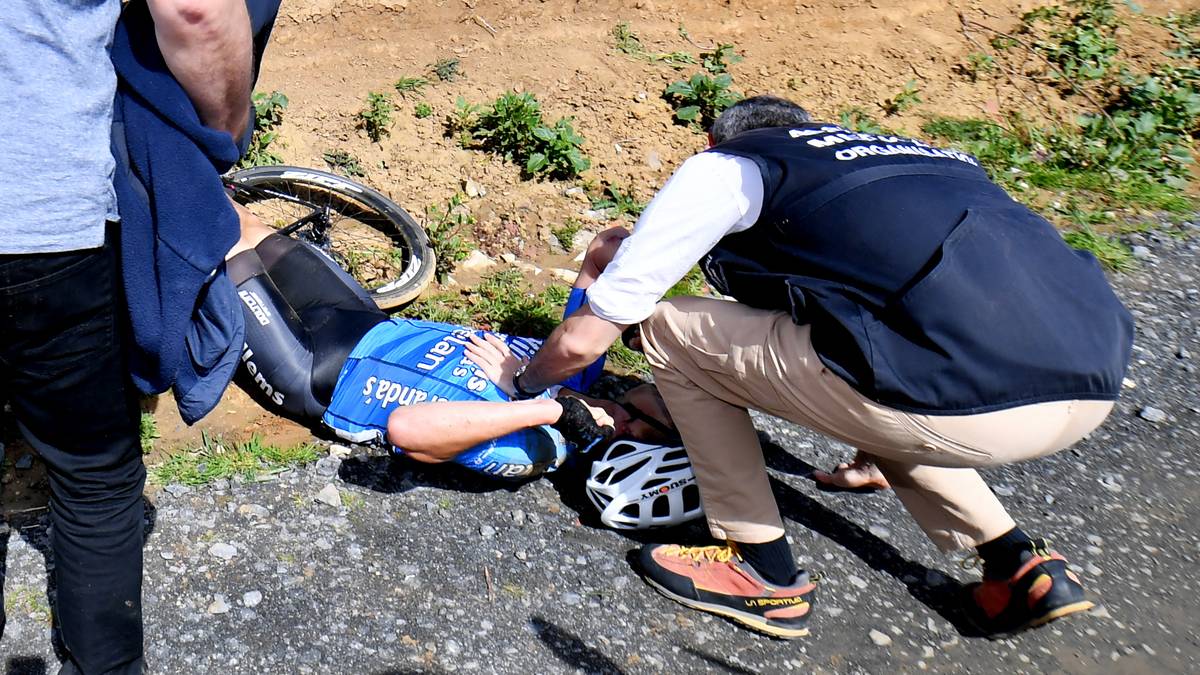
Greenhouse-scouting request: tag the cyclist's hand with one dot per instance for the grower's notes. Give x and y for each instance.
(495, 359)
(581, 424)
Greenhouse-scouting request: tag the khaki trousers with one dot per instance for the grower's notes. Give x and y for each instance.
(713, 359)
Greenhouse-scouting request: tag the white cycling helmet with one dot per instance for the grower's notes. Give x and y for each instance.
(639, 485)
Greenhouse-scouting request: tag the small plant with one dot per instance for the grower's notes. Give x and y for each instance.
(626, 41)
(446, 70)
(445, 225)
(858, 119)
(718, 60)
(376, 117)
(512, 127)
(977, 65)
(565, 234)
(344, 162)
(1111, 253)
(268, 109)
(903, 100)
(422, 110)
(411, 86)
(148, 432)
(1082, 44)
(268, 114)
(463, 120)
(618, 202)
(700, 99)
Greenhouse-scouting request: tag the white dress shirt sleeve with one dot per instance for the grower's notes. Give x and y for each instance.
(710, 196)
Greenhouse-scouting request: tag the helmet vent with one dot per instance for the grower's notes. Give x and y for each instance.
(675, 456)
(630, 510)
(627, 471)
(654, 482)
(661, 507)
(691, 497)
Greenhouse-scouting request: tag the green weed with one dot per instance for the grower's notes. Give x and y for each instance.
(618, 202)
(628, 43)
(1111, 253)
(411, 86)
(858, 119)
(977, 65)
(718, 60)
(28, 601)
(501, 302)
(344, 162)
(148, 432)
(565, 234)
(700, 99)
(268, 114)
(903, 100)
(446, 70)
(422, 110)
(217, 459)
(376, 117)
(445, 226)
(1082, 43)
(512, 126)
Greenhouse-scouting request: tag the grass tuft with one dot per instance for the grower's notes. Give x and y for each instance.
(216, 459)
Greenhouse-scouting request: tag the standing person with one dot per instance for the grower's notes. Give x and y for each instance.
(888, 295)
(62, 316)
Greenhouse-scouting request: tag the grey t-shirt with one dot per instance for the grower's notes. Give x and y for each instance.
(56, 106)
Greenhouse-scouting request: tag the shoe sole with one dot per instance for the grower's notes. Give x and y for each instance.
(749, 620)
(1052, 615)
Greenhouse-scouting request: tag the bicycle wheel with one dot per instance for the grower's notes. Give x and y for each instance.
(369, 235)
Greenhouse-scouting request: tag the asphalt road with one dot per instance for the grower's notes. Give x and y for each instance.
(432, 570)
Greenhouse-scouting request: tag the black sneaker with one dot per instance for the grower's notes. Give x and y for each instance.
(715, 579)
(1040, 591)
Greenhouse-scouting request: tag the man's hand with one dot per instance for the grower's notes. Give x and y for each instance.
(495, 359)
(207, 44)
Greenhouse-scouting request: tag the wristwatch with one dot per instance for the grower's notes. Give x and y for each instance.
(519, 392)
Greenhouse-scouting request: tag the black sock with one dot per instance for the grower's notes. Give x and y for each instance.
(1002, 555)
(773, 560)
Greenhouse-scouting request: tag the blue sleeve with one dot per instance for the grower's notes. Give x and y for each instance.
(588, 376)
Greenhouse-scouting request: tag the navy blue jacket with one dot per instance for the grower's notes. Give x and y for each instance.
(927, 287)
(176, 227)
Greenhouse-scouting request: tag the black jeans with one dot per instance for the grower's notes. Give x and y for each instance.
(63, 369)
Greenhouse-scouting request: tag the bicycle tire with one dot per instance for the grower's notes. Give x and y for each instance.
(358, 202)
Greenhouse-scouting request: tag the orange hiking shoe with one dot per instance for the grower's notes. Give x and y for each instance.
(1040, 591)
(716, 579)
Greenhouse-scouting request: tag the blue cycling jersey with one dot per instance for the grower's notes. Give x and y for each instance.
(403, 362)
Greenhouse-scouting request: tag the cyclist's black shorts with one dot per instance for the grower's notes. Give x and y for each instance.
(304, 315)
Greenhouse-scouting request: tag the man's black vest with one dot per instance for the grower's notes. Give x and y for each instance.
(927, 287)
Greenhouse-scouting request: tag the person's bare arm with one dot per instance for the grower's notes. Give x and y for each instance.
(207, 46)
(578, 341)
(436, 432)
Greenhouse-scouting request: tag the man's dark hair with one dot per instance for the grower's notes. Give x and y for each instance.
(757, 112)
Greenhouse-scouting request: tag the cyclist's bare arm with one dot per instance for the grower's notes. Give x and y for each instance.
(207, 46)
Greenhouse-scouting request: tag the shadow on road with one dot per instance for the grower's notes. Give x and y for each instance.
(393, 474)
(25, 665)
(931, 587)
(570, 649)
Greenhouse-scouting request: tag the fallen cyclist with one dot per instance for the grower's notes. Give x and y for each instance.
(318, 349)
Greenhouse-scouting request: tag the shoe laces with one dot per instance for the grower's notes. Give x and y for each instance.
(720, 554)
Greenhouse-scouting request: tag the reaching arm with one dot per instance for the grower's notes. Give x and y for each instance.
(709, 197)
(207, 46)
